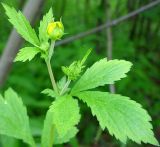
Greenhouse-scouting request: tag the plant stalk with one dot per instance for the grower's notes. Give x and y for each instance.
(65, 87)
(51, 50)
(48, 63)
(98, 135)
(54, 85)
(51, 137)
(33, 142)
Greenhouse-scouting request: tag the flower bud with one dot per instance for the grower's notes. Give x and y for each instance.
(74, 70)
(55, 30)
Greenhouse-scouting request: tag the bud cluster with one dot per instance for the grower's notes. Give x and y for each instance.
(74, 70)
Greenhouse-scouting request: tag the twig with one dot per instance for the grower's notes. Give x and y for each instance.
(109, 24)
(109, 49)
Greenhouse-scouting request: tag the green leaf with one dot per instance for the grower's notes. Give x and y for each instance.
(27, 53)
(43, 26)
(67, 137)
(49, 92)
(65, 111)
(22, 25)
(124, 118)
(56, 138)
(61, 118)
(14, 121)
(101, 73)
(7, 141)
(47, 138)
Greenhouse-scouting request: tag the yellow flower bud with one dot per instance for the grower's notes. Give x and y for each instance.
(55, 30)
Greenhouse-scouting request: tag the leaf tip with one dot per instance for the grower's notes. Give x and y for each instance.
(154, 141)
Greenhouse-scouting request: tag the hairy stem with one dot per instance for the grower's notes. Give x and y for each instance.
(65, 87)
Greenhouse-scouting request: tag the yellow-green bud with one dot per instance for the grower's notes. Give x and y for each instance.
(55, 30)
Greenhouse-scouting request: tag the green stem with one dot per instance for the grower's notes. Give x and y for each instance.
(98, 135)
(33, 144)
(122, 145)
(51, 137)
(54, 85)
(51, 50)
(50, 53)
(65, 87)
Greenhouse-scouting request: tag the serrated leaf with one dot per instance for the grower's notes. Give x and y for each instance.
(14, 121)
(124, 118)
(101, 73)
(47, 139)
(59, 125)
(57, 138)
(27, 53)
(43, 26)
(67, 137)
(49, 92)
(22, 25)
(65, 111)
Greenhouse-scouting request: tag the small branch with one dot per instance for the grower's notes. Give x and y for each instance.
(109, 24)
(65, 87)
(109, 45)
(112, 88)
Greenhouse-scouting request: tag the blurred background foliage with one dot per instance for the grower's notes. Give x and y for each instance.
(136, 40)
